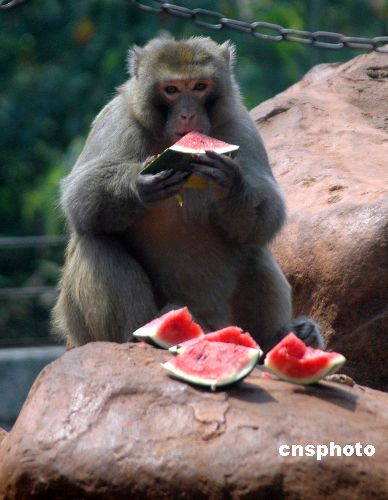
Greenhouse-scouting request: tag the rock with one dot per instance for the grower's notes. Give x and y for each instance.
(327, 138)
(3, 433)
(105, 421)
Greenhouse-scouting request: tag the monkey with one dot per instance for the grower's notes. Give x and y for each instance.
(134, 251)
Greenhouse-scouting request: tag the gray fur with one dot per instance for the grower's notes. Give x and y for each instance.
(135, 252)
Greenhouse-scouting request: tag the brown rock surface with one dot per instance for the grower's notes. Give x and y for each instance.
(3, 433)
(327, 138)
(105, 421)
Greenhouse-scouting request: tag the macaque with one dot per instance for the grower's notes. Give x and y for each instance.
(135, 252)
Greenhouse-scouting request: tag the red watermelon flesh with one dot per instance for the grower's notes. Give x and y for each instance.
(169, 329)
(292, 360)
(230, 334)
(195, 142)
(213, 364)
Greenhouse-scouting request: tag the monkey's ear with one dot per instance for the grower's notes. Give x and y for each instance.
(134, 57)
(229, 52)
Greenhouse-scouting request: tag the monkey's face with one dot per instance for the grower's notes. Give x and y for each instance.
(185, 104)
(181, 86)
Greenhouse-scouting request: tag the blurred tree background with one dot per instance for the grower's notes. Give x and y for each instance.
(60, 63)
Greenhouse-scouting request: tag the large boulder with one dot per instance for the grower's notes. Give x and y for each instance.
(327, 138)
(3, 434)
(105, 421)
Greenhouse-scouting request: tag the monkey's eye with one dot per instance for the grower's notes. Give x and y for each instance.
(171, 89)
(200, 86)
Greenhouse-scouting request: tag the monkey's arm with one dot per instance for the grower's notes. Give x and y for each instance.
(252, 209)
(97, 196)
(105, 191)
(103, 196)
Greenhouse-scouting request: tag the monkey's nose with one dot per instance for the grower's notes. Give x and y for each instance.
(187, 116)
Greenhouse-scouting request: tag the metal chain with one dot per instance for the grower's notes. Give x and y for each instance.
(10, 4)
(261, 30)
(267, 31)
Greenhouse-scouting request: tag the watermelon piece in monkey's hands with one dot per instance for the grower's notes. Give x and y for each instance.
(179, 156)
(169, 329)
(293, 361)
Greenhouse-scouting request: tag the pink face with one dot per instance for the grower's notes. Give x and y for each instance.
(186, 101)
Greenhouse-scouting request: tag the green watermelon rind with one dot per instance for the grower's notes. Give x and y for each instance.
(253, 356)
(333, 366)
(177, 159)
(150, 336)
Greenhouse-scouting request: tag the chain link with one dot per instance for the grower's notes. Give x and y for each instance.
(198, 13)
(267, 31)
(10, 4)
(177, 10)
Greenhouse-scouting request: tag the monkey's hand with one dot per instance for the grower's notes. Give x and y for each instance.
(249, 209)
(161, 185)
(219, 169)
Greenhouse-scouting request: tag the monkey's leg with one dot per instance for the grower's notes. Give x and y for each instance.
(262, 302)
(265, 306)
(105, 294)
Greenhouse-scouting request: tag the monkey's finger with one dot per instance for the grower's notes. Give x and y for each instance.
(165, 188)
(214, 156)
(214, 174)
(174, 173)
(153, 182)
(226, 161)
(164, 174)
(182, 173)
(177, 178)
(149, 179)
(148, 160)
(204, 160)
(207, 162)
(229, 168)
(162, 194)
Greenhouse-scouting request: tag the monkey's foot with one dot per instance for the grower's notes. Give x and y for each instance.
(306, 329)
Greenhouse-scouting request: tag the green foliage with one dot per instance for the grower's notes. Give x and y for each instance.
(60, 63)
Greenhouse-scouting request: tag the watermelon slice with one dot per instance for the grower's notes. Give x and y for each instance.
(179, 156)
(169, 329)
(213, 364)
(230, 334)
(292, 360)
